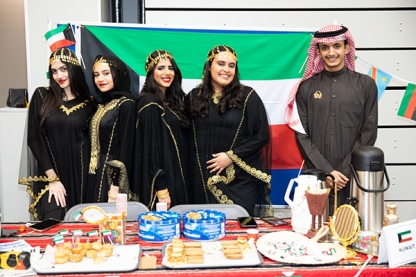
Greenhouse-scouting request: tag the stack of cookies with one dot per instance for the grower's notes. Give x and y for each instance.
(233, 249)
(179, 253)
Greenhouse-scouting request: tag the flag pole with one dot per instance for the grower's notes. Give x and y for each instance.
(48, 51)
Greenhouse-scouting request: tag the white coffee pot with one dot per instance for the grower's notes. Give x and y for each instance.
(301, 217)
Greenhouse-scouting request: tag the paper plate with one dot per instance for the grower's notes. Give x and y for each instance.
(294, 248)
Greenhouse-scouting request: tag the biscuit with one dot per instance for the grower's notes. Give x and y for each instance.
(234, 256)
(193, 251)
(193, 245)
(229, 242)
(241, 239)
(195, 260)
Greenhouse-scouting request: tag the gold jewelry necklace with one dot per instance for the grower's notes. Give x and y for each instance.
(216, 97)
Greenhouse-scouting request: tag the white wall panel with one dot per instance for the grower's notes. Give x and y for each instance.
(401, 181)
(398, 63)
(369, 28)
(398, 145)
(273, 4)
(388, 105)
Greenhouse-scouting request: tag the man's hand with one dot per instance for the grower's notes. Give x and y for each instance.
(341, 180)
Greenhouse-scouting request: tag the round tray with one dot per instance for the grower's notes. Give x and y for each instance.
(294, 248)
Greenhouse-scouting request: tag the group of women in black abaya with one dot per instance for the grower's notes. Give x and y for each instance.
(209, 146)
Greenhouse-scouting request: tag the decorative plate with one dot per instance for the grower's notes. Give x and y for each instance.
(93, 215)
(294, 248)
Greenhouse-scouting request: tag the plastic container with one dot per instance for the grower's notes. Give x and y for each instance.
(159, 226)
(204, 225)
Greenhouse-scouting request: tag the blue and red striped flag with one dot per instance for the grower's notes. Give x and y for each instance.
(381, 78)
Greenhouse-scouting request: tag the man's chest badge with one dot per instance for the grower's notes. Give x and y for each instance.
(317, 95)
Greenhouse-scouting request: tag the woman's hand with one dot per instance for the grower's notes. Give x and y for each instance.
(112, 193)
(57, 189)
(219, 162)
(165, 200)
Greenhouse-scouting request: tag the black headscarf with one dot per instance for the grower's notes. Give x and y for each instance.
(121, 78)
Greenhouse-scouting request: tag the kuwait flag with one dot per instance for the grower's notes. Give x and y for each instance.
(404, 236)
(408, 106)
(269, 61)
(62, 36)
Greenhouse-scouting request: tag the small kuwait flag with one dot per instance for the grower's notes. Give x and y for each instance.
(57, 237)
(63, 232)
(106, 233)
(408, 105)
(77, 233)
(381, 78)
(78, 216)
(92, 233)
(62, 36)
(59, 241)
(405, 236)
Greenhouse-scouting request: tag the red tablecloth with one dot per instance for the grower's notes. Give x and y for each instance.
(233, 230)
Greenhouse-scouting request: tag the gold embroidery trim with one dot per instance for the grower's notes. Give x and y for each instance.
(36, 198)
(28, 180)
(152, 191)
(123, 181)
(95, 130)
(74, 108)
(95, 145)
(264, 177)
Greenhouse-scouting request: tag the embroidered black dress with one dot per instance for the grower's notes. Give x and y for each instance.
(112, 136)
(62, 145)
(162, 153)
(243, 134)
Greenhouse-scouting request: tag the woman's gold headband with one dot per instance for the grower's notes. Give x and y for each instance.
(150, 62)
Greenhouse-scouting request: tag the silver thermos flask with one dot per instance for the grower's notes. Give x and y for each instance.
(367, 185)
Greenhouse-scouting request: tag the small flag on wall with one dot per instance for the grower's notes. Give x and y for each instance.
(62, 36)
(408, 105)
(381, 78)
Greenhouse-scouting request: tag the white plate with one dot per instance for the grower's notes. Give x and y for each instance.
(291, 247)
(214, 257)
(125, 258)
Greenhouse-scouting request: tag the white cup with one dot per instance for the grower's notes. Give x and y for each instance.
(252, 234)
(160, 206)
(121, 203)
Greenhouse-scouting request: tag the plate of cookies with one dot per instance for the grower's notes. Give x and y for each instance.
(209, 254)
(87, 257)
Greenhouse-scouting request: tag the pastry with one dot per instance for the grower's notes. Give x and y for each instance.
(91, 253)
(87, 245)
(96, 245)
(75, 258)
(76, 248)
(61, 260)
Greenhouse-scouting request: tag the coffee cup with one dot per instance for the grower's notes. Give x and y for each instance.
(252, 234)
